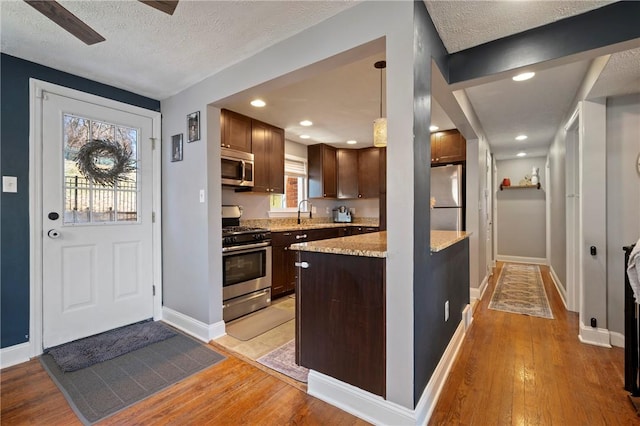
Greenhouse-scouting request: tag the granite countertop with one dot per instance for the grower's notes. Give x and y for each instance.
(440, 240)
(375, 244)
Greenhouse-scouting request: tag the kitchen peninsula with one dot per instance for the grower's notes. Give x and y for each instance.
(341, 301)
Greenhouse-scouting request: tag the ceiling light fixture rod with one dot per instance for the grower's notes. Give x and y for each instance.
(380, 65)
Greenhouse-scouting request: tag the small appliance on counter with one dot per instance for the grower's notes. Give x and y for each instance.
(341, 214)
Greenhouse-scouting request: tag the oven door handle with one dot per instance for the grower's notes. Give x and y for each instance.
(245, 247)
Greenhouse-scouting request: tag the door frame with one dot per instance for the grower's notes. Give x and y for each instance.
(36, 231)
(573, 213)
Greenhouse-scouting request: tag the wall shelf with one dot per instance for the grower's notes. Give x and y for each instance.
(536, 186)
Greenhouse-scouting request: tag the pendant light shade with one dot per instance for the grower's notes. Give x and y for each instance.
(380, 132)
(380, 124)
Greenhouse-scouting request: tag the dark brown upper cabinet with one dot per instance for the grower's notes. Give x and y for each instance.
(369, 172)
(347, 173)
(323, 179)
(268, 150)
(235, 131)
(448, 146)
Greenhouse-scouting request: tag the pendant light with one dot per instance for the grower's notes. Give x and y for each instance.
(380, 124)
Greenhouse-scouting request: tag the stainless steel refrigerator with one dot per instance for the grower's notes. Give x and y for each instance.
(446, 188)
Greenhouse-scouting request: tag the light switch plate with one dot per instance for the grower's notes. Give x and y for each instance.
(9, 184)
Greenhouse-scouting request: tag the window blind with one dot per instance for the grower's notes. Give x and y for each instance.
(295, 168)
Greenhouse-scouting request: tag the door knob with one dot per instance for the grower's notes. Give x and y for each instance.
(53, 233)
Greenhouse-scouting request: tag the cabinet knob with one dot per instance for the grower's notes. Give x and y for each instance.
(304, 265)
(359, 195)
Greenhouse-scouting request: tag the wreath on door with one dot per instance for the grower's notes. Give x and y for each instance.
(105, 162)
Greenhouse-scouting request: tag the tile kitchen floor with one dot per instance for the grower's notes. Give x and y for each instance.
(266, 342)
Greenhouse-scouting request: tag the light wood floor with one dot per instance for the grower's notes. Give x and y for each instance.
(511, 370)
(518, 370)
(233, 392)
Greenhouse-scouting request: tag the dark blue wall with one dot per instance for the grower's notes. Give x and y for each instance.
(14, 161)
(431, 333)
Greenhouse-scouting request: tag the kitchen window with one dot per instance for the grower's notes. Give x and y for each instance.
(295, 186)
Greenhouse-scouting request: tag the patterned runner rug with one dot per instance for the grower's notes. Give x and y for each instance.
(520, 291)
(283, 360)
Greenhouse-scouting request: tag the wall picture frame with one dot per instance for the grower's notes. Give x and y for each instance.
(193, 127)
(176, 147)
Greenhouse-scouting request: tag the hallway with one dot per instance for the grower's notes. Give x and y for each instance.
(519, 370)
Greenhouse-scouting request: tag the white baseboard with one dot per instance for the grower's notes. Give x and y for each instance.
(561, 291)
(617, 339)
(377, 410)
(197, 329)
(520, 259)
(478, 293)
(429, 398)
(467, 317)
(594, 336)
(16, 354)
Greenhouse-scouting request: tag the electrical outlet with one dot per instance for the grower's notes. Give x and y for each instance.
(313, 209)
(446, 311)
(327, 210)
(352, 210)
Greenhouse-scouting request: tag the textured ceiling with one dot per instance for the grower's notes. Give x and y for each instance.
(621, 75)
(534, 107)
(464, 24)
(157, 55)
(149, 52)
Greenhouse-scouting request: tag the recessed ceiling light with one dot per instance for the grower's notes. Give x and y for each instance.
(258, 103)
(524, 76)
(521, 137)
(352, 142)
(305, 136)
(521, 154)
(433, 128)
(306, 123)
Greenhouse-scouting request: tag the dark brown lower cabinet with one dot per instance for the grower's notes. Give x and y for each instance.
(283, 275)
(340, 318)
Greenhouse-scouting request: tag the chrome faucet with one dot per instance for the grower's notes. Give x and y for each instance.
(308, 205)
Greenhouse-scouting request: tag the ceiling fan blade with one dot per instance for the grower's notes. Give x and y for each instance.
(67, 20)
(168, 6)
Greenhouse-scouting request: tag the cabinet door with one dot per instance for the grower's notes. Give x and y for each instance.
(260, 138)
(347, 160)
(280, 270)
(276, 161)
(322, 171)
(448, 147)
(235, 131)
(268, 151)
(369, 173)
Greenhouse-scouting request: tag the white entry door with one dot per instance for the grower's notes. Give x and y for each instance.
(97, 243)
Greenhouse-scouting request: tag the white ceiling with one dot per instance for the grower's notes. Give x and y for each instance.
(157, 55)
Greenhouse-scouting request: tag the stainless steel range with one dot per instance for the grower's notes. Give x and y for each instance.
(246, 266)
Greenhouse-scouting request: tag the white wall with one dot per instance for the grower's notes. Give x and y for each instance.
(193, 229)
(521, 221)
(557, 199)
(623, 197)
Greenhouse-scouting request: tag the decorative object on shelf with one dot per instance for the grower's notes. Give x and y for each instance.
(105, 162)
(176, 147)
(380, 124)
(534, 176)
(537, 186)
(526, 181)
(505, 182)
(193, 126)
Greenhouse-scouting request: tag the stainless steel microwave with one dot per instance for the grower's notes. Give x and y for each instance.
(237, 167)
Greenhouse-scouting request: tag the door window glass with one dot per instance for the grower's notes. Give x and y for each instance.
(86, 201)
